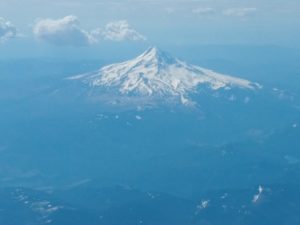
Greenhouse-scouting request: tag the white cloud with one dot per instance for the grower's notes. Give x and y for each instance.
(240, 12)
(67, 31)
(118, 31)
(7, 30)
(204, 11)
(64, 31)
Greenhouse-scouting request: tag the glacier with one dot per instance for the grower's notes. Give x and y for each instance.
(155, 73)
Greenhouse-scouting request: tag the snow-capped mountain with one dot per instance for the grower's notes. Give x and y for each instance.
(157, 74)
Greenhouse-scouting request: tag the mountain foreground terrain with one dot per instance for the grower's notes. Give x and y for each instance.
(153, 140)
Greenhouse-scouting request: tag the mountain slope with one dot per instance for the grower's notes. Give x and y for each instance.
(157, 74)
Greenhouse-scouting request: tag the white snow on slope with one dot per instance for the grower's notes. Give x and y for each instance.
(258, 195)
(155, 73)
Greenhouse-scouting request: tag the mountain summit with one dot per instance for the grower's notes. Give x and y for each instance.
(158, 74)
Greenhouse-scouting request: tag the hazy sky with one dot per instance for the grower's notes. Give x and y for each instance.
(88, 23)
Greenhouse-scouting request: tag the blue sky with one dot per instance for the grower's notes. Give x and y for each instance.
(45, 24)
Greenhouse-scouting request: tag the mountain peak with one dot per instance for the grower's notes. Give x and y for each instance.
(156, 73)
(155, 54)
(152, 50)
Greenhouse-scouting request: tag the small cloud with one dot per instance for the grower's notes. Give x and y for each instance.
(7, 30)
(240, 12)
(204, 11)
(118, 31)
(64, 31)
(67, 31)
